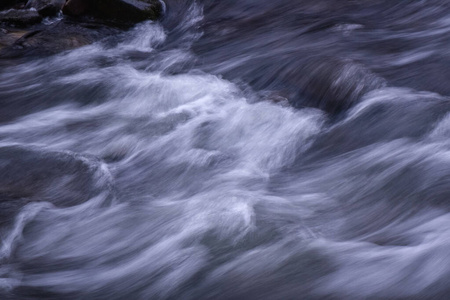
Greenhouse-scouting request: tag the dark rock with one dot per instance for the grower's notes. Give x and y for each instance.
(9, 37)
(31, 174)
(76, 7)
(125, 10)
(333, 85)
(10, 3)
(46, 8)
(20, 17)
(129, 11)
(110, 17)
(64, 35)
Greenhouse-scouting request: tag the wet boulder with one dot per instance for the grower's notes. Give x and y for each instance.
(129, 11)
(62, 36)
(63, 178)
(20, 17)
(46, 8)
(76, 7)
(333, 85)
(9, 37)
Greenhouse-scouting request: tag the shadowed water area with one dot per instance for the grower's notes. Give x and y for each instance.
(233, 150)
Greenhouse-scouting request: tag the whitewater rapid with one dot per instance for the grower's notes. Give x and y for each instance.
(171, 163)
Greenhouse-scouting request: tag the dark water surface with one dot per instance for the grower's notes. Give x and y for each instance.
(234, 150)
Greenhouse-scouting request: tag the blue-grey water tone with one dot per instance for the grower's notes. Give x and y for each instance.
(233, 150)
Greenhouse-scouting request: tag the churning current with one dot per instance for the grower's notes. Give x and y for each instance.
(233, 150)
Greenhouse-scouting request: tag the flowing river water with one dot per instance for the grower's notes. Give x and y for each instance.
(234, 150)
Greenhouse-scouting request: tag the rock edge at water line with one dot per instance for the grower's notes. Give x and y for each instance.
(129, 11)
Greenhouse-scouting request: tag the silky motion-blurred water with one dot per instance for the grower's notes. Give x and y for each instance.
(199, 157)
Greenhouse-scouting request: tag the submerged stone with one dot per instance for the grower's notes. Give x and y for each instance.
(334, 85)
(31, 174)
